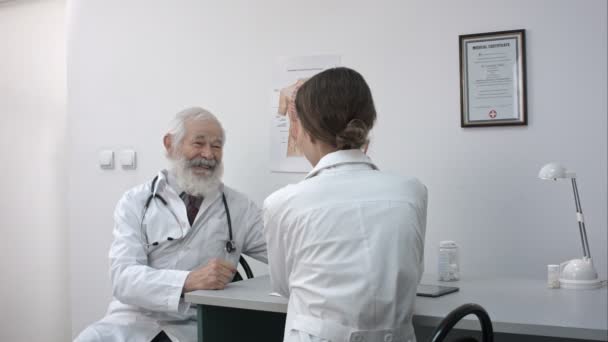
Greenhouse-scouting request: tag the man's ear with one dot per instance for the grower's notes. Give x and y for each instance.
(168, 141)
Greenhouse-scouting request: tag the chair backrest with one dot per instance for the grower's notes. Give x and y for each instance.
(487, 333)
(246, 268)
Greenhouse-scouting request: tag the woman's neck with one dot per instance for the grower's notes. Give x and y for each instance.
(320, 150)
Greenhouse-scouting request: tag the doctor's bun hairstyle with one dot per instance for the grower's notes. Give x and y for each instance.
(337, 108)
(353, 136)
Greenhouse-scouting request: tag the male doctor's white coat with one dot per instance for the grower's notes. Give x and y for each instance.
(346, 246)
(147, 281)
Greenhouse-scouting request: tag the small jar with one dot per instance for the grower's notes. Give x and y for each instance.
(553, 276)
(448, 265)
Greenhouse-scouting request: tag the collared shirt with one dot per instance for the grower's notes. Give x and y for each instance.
(346, 245)
(147, 279)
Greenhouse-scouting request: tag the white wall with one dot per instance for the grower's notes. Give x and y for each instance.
(33, 258)
(133, 64)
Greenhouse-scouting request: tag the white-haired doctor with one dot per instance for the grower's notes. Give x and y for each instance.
(181, 231)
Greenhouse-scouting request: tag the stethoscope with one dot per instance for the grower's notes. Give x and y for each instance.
(230, 244)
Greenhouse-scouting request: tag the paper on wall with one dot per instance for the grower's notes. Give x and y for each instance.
(284, 154)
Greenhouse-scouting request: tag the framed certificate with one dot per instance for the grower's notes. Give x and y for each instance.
(493, 79)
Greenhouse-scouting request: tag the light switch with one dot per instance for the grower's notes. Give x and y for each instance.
(106, 159)
(127, 159)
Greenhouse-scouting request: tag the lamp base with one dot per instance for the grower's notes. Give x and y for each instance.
(580, 284)
(579, 274)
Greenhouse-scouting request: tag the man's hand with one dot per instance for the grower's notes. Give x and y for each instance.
(214, 276)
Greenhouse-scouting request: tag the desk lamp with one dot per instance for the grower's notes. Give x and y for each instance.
(576, 273)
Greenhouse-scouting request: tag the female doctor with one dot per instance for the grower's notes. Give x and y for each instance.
(346, 243)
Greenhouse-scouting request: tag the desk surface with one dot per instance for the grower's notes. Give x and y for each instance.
(516, 306)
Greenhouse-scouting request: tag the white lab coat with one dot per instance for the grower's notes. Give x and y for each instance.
(147, 281)
(346, 246)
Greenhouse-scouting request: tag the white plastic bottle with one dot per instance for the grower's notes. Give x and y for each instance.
(448, 265)
(553, 276)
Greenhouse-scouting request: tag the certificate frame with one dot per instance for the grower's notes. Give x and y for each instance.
(493, 79)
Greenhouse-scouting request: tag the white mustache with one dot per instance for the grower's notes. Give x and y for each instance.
(198, 162)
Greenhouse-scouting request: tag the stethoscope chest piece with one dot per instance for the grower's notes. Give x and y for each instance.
(230, 246)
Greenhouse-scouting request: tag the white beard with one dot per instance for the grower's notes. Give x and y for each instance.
(195, 184)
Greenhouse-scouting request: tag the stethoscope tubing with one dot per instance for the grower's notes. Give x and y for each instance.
(230, 244)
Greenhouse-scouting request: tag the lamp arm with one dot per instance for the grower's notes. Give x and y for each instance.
(581, 220)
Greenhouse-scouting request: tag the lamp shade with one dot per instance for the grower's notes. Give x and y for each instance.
(554, 171)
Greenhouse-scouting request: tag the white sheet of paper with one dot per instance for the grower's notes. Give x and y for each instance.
(492, 73)
(284, 155)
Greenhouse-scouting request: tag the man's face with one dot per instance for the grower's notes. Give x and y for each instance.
(202, 147)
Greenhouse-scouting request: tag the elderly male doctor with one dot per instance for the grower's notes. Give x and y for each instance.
(172, 236)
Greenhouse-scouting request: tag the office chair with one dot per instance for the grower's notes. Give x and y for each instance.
(246, 268)
(487, 333)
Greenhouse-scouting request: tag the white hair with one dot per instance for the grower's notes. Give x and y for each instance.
(177, 128)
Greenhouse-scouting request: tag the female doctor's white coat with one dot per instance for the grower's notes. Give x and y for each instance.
(346, 246)
(147, 281)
